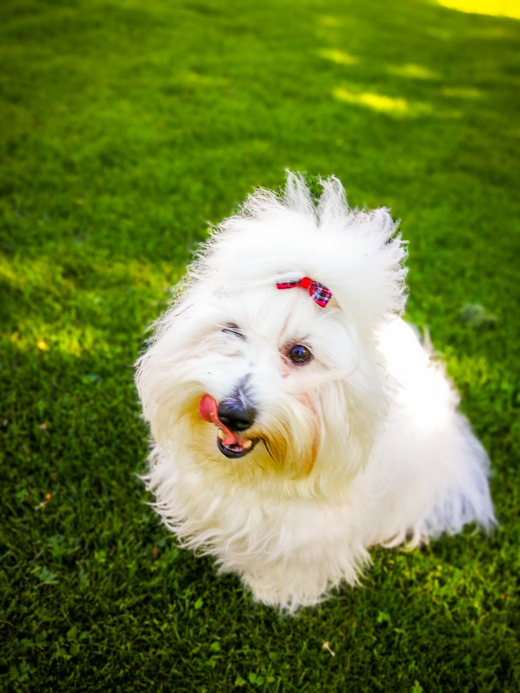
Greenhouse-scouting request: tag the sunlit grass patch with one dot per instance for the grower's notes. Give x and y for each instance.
(398, 106)
(67, 310)
(339, 57)
(494, 8)
(377, 102)
(68, 339)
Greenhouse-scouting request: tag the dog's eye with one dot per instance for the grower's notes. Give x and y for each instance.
(299, 354)
(232, 328)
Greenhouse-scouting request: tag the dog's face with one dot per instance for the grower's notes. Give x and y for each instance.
(248, 381)
(263, 381)
(266, 356)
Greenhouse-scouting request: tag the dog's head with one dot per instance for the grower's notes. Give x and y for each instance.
(254, 372)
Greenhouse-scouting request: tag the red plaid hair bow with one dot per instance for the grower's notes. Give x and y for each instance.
(319, 293)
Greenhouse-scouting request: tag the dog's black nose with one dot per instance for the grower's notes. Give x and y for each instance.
(236, 414)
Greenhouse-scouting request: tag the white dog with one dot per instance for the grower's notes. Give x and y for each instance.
(297, 419)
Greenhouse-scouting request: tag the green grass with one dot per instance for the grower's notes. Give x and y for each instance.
(125, 126)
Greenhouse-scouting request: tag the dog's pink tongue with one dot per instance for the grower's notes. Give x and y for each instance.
(208, 410)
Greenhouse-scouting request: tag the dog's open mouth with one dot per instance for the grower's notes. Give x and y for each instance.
(231, 445)
(240, 447)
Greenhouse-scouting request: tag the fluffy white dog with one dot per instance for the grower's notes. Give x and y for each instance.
(297, 419)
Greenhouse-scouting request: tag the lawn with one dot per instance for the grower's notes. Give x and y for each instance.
(125, 127)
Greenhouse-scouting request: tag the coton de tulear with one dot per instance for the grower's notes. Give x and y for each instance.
(297, 419)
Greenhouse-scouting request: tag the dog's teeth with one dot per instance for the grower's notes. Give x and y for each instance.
(248, 443)
(221, 434)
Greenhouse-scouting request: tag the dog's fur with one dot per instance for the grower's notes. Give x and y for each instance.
(361, 446)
